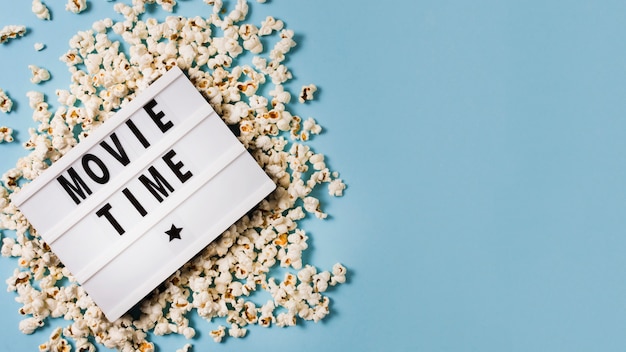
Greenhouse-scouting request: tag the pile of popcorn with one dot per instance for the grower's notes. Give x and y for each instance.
(221, 280)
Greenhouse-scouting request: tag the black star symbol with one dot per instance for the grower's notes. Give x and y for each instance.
(174, 232)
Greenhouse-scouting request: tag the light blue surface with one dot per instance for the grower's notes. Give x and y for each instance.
(484, 147)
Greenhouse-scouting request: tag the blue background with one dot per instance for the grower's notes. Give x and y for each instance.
(483, 144)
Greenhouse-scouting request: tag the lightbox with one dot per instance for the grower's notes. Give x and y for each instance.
(144, 193)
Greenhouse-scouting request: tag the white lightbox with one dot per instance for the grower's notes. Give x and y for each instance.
(144, 193)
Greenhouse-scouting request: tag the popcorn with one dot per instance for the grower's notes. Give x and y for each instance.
(236, 332)
(188, 332)
(267, 314)
(311, 126)
(39, 46)
(56, 343)
(40, 10)
(218, 333)
(72, 58)
(5, 102)
(306, 93)
(321, 281)
(253, 44)
(283, 46)
(83, 345)
(336, 187)
(105, 76)
(38, 74)
(102, 25)
(76, 6)
(270, 25)
(318, 161)
(29, 325)
(286, 319)
(11, 32)
(167, 5)
(339, 275)
(6, 134)
(280, 75)
(185, 348)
